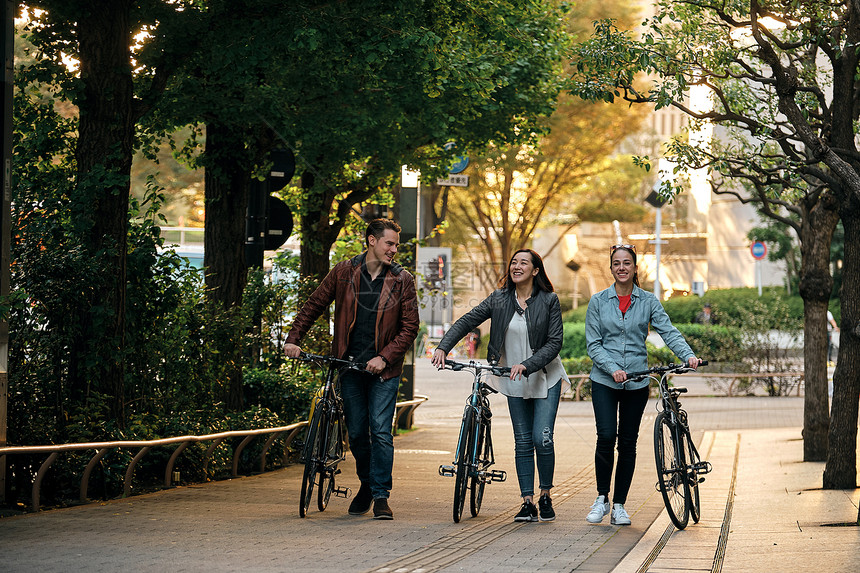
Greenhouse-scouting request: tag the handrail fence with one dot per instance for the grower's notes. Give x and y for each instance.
(405, 411)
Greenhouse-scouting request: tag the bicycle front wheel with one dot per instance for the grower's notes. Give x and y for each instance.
(692, 458)
(465, 449)
(671, 470)
(333, 455)
(313, 452)
(479, 480)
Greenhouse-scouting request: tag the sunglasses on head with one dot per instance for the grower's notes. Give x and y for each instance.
(614, 248)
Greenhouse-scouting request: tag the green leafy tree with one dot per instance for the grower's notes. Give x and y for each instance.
(472, 71)
(515, 188)
(781, 85)
(107, 94)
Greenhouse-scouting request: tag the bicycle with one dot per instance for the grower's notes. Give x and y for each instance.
(679, 465)
(474, 454)
(324, 443)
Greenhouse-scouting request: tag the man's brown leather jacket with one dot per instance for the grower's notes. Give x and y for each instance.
(396, 318)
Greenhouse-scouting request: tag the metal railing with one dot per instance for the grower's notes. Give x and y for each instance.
(405, 408)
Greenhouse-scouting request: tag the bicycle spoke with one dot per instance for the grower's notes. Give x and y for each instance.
(692, 474)
(671, 473)
(312, 452)
(479, 480)
(465, 450)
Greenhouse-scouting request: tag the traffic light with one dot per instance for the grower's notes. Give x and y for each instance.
(269, 222)
(437, 271)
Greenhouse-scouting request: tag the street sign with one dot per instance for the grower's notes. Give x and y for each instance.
(461, 163)
(758, 250)
(454, 181)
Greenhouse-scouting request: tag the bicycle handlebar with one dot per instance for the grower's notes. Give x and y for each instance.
(662, 369)
(308, 357)
(458, 366)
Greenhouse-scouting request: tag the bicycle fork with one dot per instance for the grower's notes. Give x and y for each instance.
(475, 462)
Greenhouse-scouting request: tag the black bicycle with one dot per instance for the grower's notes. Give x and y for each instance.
(679, 465)
(474, 454)
(324, 445)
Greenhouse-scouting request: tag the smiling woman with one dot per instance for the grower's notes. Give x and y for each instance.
(526, 335)
(617, 323)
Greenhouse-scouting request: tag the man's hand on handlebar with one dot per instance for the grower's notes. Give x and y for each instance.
(694, 362)
(292, 351)
(375, 365)
(438, 359)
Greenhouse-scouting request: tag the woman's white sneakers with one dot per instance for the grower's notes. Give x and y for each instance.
(598, 510)
(619, 515)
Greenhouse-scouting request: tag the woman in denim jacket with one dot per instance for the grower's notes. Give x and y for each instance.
(525, 334)
(616, 325)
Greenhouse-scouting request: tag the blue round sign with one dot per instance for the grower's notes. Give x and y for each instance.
(461, 163)
(758, 250)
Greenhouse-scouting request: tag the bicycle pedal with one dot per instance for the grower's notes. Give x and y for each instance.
(447, 471)
(342, 492)
(497, 475)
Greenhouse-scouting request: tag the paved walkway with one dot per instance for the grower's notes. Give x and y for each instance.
(762, 509)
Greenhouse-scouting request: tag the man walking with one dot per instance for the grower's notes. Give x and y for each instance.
(375, 321)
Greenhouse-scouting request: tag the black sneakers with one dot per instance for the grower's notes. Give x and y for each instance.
(381, 510)
(528, 512)
(361, 502)
(545, 507)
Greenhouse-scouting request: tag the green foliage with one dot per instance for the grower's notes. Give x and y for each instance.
(729, 307)
(573, 345)
(715, 343)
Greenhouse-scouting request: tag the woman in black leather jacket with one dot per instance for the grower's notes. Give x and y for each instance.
(526, 335)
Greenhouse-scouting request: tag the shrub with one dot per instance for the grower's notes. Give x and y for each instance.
(573, 345)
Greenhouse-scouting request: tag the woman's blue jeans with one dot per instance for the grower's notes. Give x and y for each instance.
(617, 414)
(368, 404)
(534, 427)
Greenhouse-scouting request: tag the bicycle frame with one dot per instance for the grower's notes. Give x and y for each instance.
(474, 454)
(325, 446)
(679, 465)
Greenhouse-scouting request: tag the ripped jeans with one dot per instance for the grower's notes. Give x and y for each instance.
(534, 426)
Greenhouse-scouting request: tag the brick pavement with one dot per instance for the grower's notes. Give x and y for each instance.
(252, 523)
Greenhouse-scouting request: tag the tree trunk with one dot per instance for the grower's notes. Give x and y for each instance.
(816, 285)
(103, 156)
(840, 472)
(227, 184)
(318, 233)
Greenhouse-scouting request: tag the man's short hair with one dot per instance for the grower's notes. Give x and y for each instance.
(377, 228)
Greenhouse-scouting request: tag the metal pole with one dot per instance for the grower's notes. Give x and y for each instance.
(657, 224)
(758, 275)
(8, 41)
(409, 198)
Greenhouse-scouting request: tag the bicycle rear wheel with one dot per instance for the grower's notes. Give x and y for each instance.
(692, 458)
(313, 453)
(465, 448)
(333, 454)
(479, 480)
(671, 470)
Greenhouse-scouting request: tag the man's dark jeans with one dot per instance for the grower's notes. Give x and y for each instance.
(369, 403)
(617, 414)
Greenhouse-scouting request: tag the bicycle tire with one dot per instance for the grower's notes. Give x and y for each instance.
(334, 451)
(671, 470)
(312, 454)
(465, 449)
(479, 481)
(692, 458)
